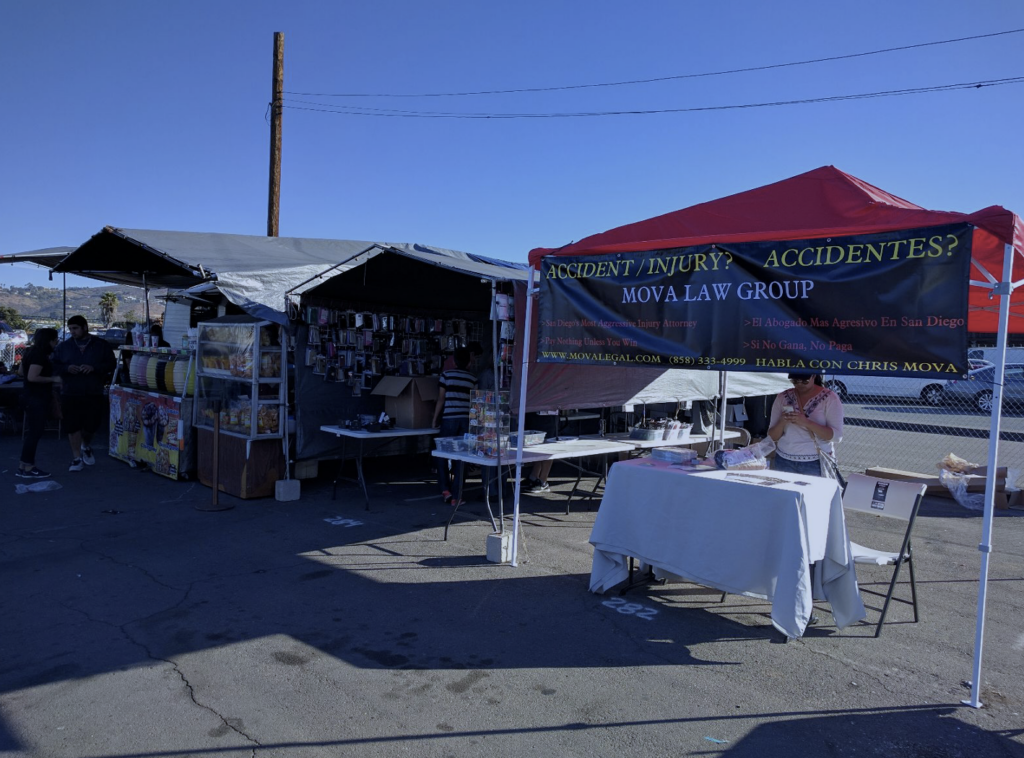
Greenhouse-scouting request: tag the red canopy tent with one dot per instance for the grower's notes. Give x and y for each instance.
(825, 202)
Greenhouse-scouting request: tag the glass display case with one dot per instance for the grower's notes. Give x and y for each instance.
(240, 377)
(489, 423)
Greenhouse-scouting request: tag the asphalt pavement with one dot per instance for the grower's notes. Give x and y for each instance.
(136, 625)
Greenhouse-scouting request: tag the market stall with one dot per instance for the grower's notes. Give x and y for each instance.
(730, 282)
(373, 336)
(153, 394)
(367, 325)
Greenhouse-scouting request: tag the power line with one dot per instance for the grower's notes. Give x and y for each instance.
(663, 78)
(346, 110)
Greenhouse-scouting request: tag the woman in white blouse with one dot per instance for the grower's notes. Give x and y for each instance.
(806, 421)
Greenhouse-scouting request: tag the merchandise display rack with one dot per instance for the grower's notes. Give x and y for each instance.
(241, 377)
(151, 410)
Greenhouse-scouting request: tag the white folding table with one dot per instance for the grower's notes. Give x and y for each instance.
(361, 436)
(565, 450)
(752, 533)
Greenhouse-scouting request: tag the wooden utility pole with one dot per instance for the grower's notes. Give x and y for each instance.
(274, 203)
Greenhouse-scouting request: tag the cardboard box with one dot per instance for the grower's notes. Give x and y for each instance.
(409, 400)
(974, 483)
(983, 471)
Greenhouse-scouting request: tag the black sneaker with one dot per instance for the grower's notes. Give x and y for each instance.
(32, 473)
(539, 487)
(76, 465)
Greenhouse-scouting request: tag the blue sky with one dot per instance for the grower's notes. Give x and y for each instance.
(153, 115)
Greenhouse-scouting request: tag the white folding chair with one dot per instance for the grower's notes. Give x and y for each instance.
(742, 441)
(892, 499)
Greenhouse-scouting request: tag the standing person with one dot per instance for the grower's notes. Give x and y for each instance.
(39, 385)
(84, 364)
(452, 410)
(805, 421)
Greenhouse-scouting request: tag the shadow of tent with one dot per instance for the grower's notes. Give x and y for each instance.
(930, 732)
(368, 595)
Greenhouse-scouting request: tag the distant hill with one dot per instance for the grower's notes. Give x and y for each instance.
(45, 305)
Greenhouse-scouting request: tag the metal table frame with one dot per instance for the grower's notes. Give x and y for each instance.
(361, 436)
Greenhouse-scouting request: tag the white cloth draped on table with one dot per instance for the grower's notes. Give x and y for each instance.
(751, 533)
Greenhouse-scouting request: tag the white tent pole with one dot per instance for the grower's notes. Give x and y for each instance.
(282, 410)
(723, 385)
(1004, 289)
(524, 377)
(145, 287)
(496, 387)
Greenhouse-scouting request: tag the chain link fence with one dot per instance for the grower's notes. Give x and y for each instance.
(888, 425)
(11, 354)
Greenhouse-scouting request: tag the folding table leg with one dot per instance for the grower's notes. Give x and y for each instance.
(601, 479)
(647, 578)
(579, 475)
(455, 508)
(487, 496)
(359, 473)
(337, 475)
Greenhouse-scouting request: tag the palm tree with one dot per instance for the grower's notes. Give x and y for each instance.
(108, 308)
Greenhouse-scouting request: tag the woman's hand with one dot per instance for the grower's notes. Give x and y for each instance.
(796, 418)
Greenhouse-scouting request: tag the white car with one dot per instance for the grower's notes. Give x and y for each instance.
(928, 390)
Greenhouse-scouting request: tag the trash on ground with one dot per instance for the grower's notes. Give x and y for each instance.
(48, 486)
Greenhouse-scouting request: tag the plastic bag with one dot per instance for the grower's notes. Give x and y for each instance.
(763, 448)
(47, 485)
(750, 457)
(745, 458)
(956, 483)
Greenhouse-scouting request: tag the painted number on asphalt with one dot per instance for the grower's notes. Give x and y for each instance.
(634, 609)
(342, 521)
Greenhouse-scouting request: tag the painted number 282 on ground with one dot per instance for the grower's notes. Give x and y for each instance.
(634, 609)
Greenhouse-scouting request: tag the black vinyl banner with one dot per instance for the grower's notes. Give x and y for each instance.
(882, 304)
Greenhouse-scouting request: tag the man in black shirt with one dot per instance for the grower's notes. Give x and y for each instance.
(85, 364)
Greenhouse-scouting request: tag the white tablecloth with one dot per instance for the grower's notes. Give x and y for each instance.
(746, 532)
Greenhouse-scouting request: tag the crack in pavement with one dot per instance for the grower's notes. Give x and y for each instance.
(227, 722)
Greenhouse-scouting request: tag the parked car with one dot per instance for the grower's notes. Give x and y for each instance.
(115, 336)
(988, 354)
(928, 390)
(976, 387)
